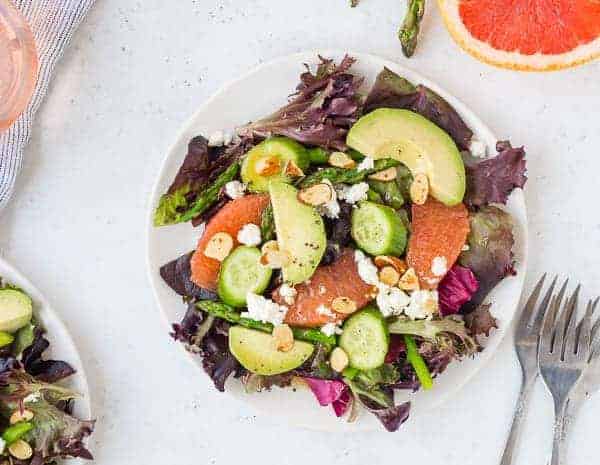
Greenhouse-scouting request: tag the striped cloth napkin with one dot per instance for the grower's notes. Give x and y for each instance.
(53, 23)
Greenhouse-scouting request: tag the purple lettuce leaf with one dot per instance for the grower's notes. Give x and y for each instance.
(324, 107)
(201, 166)
(491, 180)
(490, 255)
(390, 417)
(177, 274)
(480, 321)
(456, 289)
(393, 91)
(217, 361)
(331, 392)
(48, 371)
(257, 383)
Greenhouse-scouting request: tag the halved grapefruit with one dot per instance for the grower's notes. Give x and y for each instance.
(530, 35)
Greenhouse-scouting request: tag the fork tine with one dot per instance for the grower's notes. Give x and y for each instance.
(529, 308)
(547, 336)
(572, 308)
(585, 334)
(596, 326)
(538, 317)
(553, 310)
(564, 340)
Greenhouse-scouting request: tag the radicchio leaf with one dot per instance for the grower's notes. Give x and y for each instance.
(331, 392)
(321, 112)
(393, 91)
(456, 289)
(490, 255)
(177, 274)
(491, 180)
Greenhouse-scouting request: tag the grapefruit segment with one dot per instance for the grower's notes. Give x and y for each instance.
(340, 279)
(437, 231)
(532, 35)
(230, 219)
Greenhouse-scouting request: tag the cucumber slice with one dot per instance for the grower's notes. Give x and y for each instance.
(378, 230)
(365, 339)
(256, 352)
(280, 148)
(16, 309)
(240, 273)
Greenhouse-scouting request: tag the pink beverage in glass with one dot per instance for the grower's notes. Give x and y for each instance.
(18, 64)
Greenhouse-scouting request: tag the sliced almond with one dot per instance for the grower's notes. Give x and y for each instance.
(385, 175)
(21, 415)
(219, 246)
(283, 337)
(293, 170)
(398, 264)
(341, 160)
(268, 166)
(388, 275)
(344, 305)
(419, 189)
(316, 195)
(20, 450)
(409, 281)
(338, 359)
(275, 259)
(269, 246)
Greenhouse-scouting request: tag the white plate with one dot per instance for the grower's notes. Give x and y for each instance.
(61, 347)
(257, 94)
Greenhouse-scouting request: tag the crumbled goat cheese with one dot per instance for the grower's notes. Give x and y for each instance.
(391, 300)
(331, 328)
(33, 397)
(235, 189)
(423, 305)
(354, 193)
(288, 293)
(330, 209)
(265, 310)
(465, 248)
(249, 235)
(367, 164)
(366, 269)
(216, 139)
(439, 266)
(477, 148)
(325, 311)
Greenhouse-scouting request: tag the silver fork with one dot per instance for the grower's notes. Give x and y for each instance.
(590, 380)
(563, 355)
(526, 345)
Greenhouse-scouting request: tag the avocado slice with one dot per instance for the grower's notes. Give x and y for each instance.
(16, 310)
(418, 143)
(280, 149)
(256, 352)
(300, 232)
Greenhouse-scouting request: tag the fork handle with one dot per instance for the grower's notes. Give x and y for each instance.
(515, 429)
(559, 437)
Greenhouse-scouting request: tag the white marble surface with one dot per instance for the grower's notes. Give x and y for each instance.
(135, 72)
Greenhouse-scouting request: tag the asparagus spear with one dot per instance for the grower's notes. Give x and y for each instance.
(225, 312)
(346, 176)
(409, 31)
(267, 224)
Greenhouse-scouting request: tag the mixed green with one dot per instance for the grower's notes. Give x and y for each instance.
(350, 241)
(35, 408)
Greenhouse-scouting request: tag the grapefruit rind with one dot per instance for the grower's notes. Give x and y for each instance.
(512, 60)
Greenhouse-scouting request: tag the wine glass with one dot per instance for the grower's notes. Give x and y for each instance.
(18, 64)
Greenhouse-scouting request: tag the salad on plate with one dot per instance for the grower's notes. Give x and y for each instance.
(346, 242)
(37, 425)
